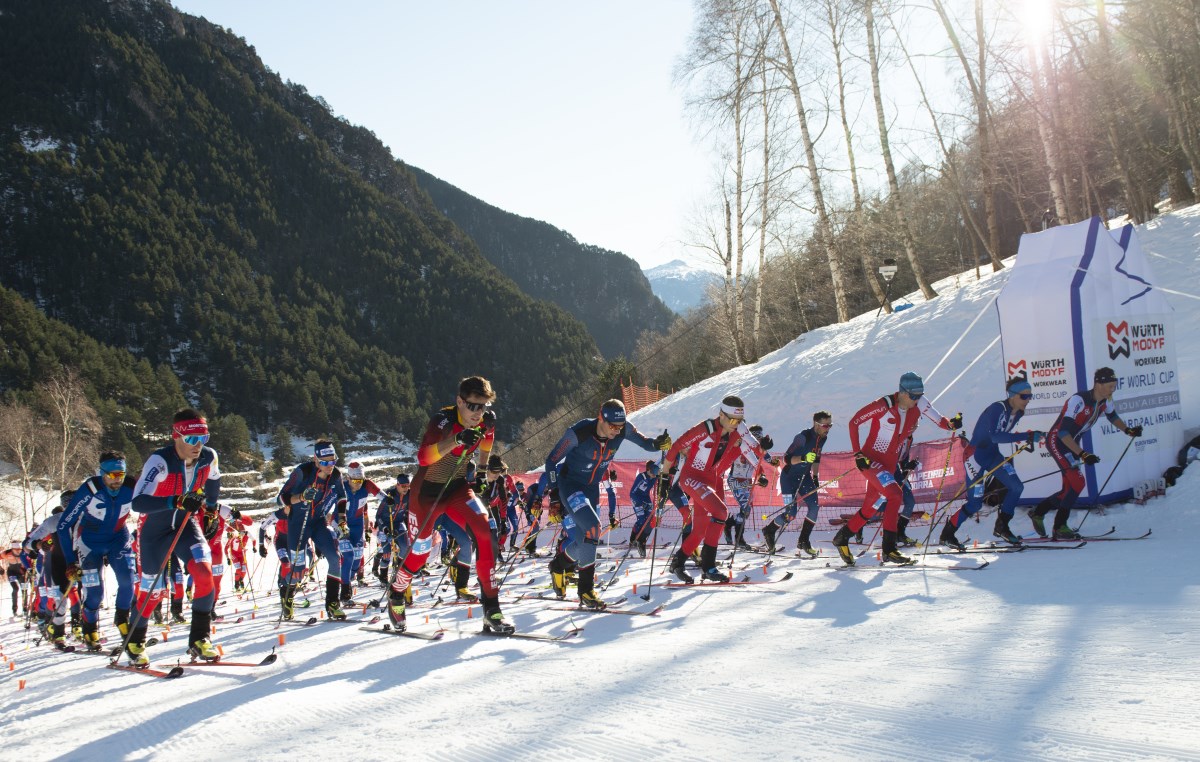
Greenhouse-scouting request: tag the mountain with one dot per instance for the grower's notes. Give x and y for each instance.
(604, 289)
(163, 192)
(680, 286)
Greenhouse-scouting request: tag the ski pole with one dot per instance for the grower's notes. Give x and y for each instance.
(799, 498)
(933, 518)
(133, 620)
(654, 542)
(938, 498)
(1106, 481)
(310, 506)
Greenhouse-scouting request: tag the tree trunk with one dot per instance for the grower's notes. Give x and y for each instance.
(910, 244)
(823, 231)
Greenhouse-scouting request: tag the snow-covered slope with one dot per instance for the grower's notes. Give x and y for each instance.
(1075, 654)
(679, 285)
(951, 341)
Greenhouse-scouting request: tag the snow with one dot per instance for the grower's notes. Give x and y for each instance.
(1073, 654)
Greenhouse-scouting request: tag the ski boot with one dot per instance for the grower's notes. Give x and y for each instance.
(739, 538)
(333, 609)
(396, 609)
(177, 616)
(136, 652)
(708, 564)
(158, 617)
(56, 634)
(676, 568)
(347, 591)
(1002, 530)
(641, 547)
(1065, 532)
(91, 641)
(287, 601)
(591, 601)
(203, 650)
(493, 618)
(892, 556)
(558, 576)
(948, 538)
(805, 548)
(1038, 517)
(463, 595)
(841, 541)
(714, 575)
(902, 538)
(769, 531)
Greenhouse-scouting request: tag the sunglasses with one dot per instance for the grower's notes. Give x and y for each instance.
(195, 439)
(1026, 397)
(114, 474)
(914, 396)
(475, 407)
(327, 463)
(733, 419)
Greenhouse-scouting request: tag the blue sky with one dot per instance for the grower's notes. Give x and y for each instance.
(564, 112)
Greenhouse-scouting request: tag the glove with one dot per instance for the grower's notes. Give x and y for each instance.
(235, 514)
(489, 420)
(1034, 437)
(73, 573)
(812, 457)
(535, 513)
(955, 422)
(343, 529)
(1134, 431)
(468, 437)
(1090, 458)
(766, 443)
(662, 441)
(191, 502)
(613, 523)
(763, 481)
(309, 495)
(664, 487)
(909, 465)
(262, 550)
(861, 461)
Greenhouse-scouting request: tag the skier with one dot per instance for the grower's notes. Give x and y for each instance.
(1079, 414)
(213, 522)
(359, 490)
(318, 486)
(391, 526)
(16, 574)
(799, 477)
(58, 594)
(454, 434)
(709, 448)
(744, 475)
(642, 494)
(575, 468)
(996, 426)
(91, 531)
(878, 431)
(176, 482)
(235, 550)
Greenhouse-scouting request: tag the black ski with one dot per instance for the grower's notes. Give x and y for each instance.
(912, 567)
(270, 659)
(543, 636)
(733, 583)
(628, 612)
(387, 630)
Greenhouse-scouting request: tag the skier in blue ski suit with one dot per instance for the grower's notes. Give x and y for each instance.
(93, 529)
(799, 477)
(996, 426)
(313, 493)
(642, 495)
(574, 469)
(359, 491)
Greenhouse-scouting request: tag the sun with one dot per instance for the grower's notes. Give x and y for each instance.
(1036, 19)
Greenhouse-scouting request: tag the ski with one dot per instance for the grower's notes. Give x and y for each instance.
(913, 567)
(147, 671)
(270, 659)
(543, 636)
(1076, 546)
(387, 630)
(301, 623)
(628, 612)
(945, 551)
(1105, 538)
(1037, 539)
(746, 581)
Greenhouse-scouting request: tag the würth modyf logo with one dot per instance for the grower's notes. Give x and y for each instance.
(1118, 340)
(1018, 370)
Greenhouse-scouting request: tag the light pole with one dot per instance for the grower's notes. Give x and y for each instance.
(888, 271)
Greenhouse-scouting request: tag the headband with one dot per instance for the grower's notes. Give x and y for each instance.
(190, 427)
(734, 412)
(108, 466)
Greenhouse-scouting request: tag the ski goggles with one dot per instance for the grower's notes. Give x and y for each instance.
(327, 463)
(1026, 396)
(476, 407)
(914, 396)
(113, 469)
(195, 439)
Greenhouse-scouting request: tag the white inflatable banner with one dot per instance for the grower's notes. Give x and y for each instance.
(1081, 298)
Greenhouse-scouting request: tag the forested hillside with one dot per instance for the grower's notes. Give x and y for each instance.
(162, 191)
